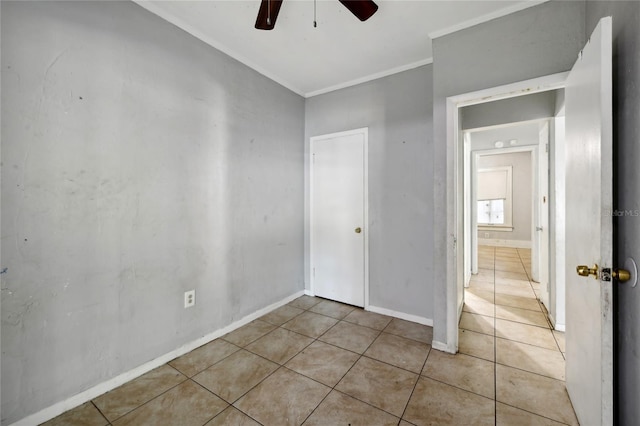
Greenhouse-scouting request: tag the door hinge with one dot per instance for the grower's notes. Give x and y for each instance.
(546, 147)
(314, 272)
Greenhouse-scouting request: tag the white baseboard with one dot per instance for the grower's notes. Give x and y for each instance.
(79, 399)
(443, 347)
(401, 315)
(308, 292)
(504, 243)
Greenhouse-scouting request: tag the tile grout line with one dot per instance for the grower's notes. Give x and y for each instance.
(415, 385)
(495, 351)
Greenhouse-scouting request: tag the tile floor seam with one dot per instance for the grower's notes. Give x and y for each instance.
(415, 385)
(209, 366)
(530, 372)
(147, 402)
(458, 387)
(217, 396)
(535, 414)
(99, 410)
(528, 344)
(495, 359)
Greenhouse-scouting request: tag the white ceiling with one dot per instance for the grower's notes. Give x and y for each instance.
(341, 51)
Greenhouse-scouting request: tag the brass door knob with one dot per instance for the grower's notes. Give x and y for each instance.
(585, 271)
(621, 275)
(358, 230)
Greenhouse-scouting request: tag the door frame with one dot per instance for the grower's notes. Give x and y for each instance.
(364, 131)
(454, 202)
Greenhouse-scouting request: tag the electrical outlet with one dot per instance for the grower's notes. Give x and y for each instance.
(189, 298)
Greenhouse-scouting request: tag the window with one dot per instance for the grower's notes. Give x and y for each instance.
(491, 212)
(493, 197)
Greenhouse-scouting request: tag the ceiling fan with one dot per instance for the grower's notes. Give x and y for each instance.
(268, 13)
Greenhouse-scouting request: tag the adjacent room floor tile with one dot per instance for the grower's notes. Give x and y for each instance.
(410, 330)
(131, 395)
(475, 283)
(187, 404)
(509, 416)
(435, 403)
(534, 393)
(203, 357)
(478, 323)
(310, 324)
(332, 309)
(521, 315)
(476, 344)
(85, 415)
(463, 371)
(341, 409)
(323, 362)
(350, 336)
(537, 360)
(517, 302)
(379, 384)
(515, 288)
(559, 336)
(524, 333)
(249, 333)
(483, 295)
(399, 351)
(478, 307)
(297, 397)
(368, 319)
(235, 375)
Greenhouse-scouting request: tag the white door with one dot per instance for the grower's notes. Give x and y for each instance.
(589, 301)
(338, 227)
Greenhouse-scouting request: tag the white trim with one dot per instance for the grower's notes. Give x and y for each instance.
(512, 90)
(79, 399)
(370, 77)
(485, 18)
(453, 250)
(443, 347)
(364, 131)
(504, 243)
(153, 8)
(401, 315)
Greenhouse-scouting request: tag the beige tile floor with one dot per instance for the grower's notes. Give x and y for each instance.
(318, 362)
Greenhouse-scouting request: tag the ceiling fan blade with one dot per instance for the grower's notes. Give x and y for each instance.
(268, 14)
(363, 9)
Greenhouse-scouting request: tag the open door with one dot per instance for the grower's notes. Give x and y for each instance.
(589, 375)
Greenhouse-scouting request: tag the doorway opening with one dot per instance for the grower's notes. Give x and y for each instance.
(455, 185)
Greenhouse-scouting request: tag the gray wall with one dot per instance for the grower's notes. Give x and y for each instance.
(626, 131)
(522, 193)
(138, 163)
(538, 41)
(397, 111)
(520, 108)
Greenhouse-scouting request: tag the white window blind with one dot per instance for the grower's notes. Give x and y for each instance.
(493, 197)
(493, 184)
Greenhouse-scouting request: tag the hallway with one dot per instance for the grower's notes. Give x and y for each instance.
(503, 322)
